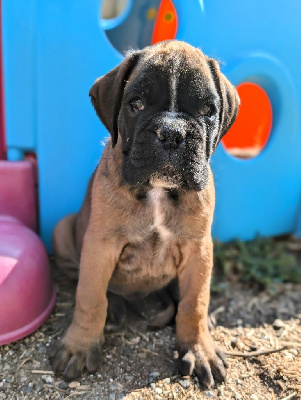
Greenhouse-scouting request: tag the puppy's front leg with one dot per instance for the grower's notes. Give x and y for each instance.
(80, 347)
(197, 350)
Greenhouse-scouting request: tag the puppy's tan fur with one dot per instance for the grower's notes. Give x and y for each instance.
(125, 221)
(129, 245)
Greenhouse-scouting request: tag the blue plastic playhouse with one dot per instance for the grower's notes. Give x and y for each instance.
(54, 50)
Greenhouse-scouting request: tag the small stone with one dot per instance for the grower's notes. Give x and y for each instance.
(166, 380)
(153, 385)
(154, 374)
(42, 349)
(236, 395)
(23, 379)
(129, 377)
(47, 379)
(112, 396)
(185, 383)
(278, 324)
(241, 346)
(254, 397)
(220, 391)
(26, 389)
(127, 351)
(63, 385)
(158, 390)
(73, 385)
(38, 386)
(208, 393)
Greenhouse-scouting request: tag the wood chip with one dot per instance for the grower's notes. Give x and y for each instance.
(74, 384)
(84, 387)
(249, 334)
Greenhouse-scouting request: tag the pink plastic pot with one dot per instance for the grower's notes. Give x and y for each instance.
(27, 293)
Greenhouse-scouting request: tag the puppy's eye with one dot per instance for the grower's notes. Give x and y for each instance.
(137, 105)
(207, 110)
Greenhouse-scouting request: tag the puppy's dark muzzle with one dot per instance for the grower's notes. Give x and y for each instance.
(172, 131)
(170, 139)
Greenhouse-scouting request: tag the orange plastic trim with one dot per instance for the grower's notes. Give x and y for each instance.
(166, 24)
(252, 128)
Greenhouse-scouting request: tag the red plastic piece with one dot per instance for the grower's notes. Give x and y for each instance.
(17, 191)
(251, 130)
(166, 24)
(27, 294)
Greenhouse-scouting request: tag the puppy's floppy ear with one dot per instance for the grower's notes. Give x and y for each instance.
(107, 92)
(229, 99)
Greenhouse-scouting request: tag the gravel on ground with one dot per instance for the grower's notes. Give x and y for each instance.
(141, 364)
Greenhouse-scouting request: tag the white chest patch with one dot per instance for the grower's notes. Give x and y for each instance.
(155, 197)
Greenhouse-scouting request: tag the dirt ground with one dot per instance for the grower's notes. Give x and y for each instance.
(140, 364)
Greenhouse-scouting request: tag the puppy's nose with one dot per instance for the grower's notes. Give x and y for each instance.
(170, 138)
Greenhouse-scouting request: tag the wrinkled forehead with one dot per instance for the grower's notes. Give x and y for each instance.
(173, 68)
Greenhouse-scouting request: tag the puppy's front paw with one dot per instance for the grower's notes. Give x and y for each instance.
(71, 358)
(207, 360)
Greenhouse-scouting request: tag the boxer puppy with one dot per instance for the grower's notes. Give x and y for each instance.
(146, 219)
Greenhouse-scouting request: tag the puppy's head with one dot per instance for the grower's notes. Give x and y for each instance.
(169, 105)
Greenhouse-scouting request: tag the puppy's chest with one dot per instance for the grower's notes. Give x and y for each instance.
(151, 261)
(155, 217)
(157, 198)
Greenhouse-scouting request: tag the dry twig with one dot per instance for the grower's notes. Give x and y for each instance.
(23, 362)
(139, 333)
(292, 395)
(36, 371)
(254, 353)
